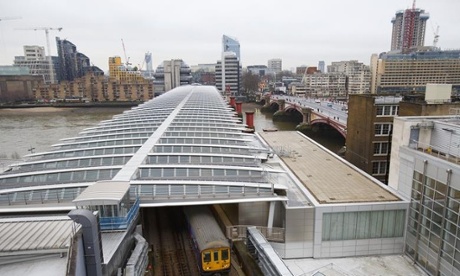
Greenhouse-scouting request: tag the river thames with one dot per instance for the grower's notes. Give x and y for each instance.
(27, 130)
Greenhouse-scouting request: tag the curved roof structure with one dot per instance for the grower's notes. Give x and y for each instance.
(185, 145)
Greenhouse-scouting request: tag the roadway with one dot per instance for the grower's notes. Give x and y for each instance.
(324, 108)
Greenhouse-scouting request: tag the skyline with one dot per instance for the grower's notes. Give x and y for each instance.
(299, 34)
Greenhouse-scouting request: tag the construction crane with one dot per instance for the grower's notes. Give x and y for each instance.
(50, 62)
(9, 18)
(436, 36)
(124, 51)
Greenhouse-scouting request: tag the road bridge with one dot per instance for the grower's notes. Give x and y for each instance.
(313, 111)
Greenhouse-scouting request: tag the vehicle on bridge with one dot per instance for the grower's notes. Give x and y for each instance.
(212, 248)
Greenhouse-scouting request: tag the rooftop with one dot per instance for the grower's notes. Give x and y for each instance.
(329, 178)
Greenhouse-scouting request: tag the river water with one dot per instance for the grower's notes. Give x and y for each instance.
(27, 130)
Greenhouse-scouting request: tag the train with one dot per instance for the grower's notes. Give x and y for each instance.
(212, 248)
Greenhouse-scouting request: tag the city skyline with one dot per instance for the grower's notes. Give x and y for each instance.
(299, 34)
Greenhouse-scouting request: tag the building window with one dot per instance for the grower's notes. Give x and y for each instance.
(363, 225)
(382, 129)
(387, 110)
(379, 168)
(380, 148)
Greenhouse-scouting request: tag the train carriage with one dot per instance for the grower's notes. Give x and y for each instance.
(212, 248)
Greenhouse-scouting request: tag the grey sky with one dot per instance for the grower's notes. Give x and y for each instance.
(300, 32)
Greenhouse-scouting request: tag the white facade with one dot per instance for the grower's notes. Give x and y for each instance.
(425, 169)
(228, 74)
(275, 65)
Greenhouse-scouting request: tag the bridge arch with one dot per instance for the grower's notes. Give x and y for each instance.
(330, 123)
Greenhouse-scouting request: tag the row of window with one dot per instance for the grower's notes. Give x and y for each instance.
(382, 129)
(200, 129)
(387, 110)
(203, 134)
(62, 177)
(236, 174)
(113, 136)
(40, 196)
(91, 152)
(201, 149)
(379, 167)
(201, 141)
(86, 162)
(194, 159)
(381, 148)
(121, 131)
(104, 144)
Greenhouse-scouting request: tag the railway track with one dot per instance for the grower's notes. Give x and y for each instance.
(175, 252)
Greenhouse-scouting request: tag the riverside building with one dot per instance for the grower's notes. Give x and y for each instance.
(395, 72)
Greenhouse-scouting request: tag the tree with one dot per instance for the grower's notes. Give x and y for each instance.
(250, 81)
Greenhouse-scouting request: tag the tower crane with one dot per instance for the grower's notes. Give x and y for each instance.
(436, 36)
(50, 62)
(9, 18)
(124, 51)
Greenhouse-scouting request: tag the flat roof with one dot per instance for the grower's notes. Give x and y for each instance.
(328, 177)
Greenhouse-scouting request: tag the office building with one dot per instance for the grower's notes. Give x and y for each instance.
(148, 73)
(35, 59)
(171, 74)
(230, 44)
(275, 65)
(408, 73)
(228, 74)
(408, 29)
(321, 66)
(425, 169)
(72, 64)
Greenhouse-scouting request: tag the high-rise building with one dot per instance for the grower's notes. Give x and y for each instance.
(230, 44)
(72, 64)
(408, 29)
(358, 75)
(275, 65)
(321, 66)
(407, 73)
(35, 59)
(148, 73)
(171, 74)
(228, 69)
(228, 74)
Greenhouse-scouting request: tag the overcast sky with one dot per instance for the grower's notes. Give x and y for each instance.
(300, 32)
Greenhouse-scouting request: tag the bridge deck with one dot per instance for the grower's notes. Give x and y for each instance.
(329, 178)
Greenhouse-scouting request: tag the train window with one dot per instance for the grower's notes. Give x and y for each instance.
(216, 256)
(206, 257)
(225, 254)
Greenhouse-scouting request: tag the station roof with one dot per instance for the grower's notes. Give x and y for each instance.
(35, 235)
(184, 145)
(328, 177)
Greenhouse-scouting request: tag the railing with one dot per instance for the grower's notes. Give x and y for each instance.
(119, 223)
(435, 151)
(239, 232)
(262, 252)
